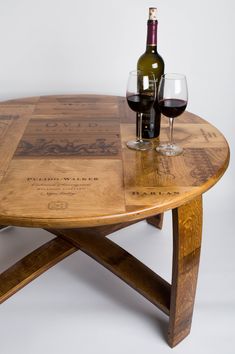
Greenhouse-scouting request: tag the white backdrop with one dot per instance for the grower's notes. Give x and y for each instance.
(72, 46)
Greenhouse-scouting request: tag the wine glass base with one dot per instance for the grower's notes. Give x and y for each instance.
(139, 145)
(169, 150)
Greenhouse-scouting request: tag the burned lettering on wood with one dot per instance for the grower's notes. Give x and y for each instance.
(200, 164)
(59, 138)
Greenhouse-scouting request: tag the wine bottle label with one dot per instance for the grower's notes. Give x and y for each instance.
(152, 33)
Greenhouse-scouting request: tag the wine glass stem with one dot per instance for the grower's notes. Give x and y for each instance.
(171, 121)
(139, 139)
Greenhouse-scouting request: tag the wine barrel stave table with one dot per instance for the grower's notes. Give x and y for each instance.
(65, 167)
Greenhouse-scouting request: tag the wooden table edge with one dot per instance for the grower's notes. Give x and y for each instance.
(118, 218)
(109, 219)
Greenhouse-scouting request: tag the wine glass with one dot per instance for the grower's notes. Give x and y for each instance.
(172, 100)
(140, 94)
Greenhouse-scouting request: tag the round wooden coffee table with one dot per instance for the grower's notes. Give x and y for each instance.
(65, 167)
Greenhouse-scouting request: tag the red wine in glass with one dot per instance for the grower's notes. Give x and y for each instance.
(172, 101)
(172, 107)
(140, 103)
(140, 95)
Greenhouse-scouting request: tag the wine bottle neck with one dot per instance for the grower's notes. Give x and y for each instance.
(152, 35)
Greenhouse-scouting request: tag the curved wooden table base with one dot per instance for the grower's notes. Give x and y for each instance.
(176, 299)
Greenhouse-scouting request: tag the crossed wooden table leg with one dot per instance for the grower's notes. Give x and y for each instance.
(175, 299)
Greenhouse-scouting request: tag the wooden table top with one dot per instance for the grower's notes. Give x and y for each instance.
(64, 163)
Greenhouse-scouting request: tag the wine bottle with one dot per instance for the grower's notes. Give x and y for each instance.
(151, 61)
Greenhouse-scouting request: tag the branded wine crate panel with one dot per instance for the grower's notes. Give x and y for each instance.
(65, 157)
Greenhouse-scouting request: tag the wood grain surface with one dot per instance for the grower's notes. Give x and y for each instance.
(187, 233)
(120, 262)
(64, 163)
(33, 265)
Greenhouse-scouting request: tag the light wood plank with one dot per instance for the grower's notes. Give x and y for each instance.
(34, 264)
(187, 232)
(121, 263)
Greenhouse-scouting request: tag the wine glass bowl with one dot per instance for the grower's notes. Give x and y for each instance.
(141, 95)
(172, 100)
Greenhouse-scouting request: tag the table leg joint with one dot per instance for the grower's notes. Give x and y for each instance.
(156, 220)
